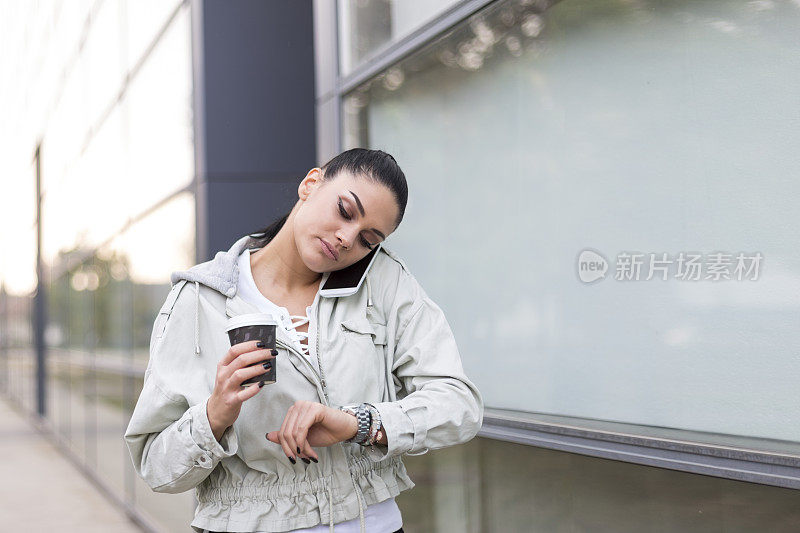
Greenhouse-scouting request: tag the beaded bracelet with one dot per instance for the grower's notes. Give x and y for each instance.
(375, 428)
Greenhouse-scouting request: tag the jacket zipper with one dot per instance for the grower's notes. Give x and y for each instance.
(319, 360)
(279, 342)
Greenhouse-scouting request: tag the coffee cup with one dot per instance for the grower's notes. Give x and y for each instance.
(250, 327)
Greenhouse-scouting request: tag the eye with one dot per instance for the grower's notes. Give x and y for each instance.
(367, 244)
(344, 213)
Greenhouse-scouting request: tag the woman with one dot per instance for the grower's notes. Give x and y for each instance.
(386, 355)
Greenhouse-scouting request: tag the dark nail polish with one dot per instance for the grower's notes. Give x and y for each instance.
(306, 461)
(261, 384)
(267, 365)
(260, 344)
(314, 460)
(292, 460)
(298, 450)
(274, 351)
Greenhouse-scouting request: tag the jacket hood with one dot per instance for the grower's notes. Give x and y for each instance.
(220, 273)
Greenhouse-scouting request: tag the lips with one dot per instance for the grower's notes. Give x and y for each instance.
(329, 251)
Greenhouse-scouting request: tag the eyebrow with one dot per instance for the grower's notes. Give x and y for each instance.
(361, 209)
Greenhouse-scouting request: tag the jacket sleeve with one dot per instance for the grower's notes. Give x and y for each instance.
(170, 441)
(440, 406)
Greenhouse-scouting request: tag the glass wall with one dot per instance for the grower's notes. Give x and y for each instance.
(534, 131)
(105, 92)
(531, 133)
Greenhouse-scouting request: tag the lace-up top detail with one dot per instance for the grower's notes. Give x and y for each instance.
(300, 336)
(289, 323)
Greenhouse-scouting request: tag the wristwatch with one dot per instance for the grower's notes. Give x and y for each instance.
(364, 417)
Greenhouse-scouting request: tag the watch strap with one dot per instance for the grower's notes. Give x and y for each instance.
(364, 418)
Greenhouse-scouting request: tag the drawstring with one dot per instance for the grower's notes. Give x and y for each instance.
(197, 317)
(360, 504)
(330, 504)
(360, 507)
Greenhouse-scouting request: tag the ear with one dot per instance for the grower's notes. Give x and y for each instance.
(312, 180)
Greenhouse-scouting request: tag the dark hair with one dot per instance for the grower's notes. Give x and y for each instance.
(375, 165)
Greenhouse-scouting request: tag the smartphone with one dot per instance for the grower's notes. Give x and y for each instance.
(346, 281)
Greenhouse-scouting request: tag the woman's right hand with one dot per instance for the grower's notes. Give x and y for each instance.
(226, 401)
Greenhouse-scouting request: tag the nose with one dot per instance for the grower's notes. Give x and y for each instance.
(345, 240)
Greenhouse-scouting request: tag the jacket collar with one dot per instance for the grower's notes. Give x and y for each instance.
(222, 274)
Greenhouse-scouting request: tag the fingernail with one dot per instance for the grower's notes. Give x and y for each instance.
(306, 460)
(267, 365)
(298, 449)
(314, 460)
(274, 351)
(261, 384)
(292, 459)
(260, 344)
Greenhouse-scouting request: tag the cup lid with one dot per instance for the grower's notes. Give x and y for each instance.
(250, 319)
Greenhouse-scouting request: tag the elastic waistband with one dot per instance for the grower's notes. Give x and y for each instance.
(359, 467)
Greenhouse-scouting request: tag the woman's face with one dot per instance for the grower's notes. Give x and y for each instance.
(332, 213)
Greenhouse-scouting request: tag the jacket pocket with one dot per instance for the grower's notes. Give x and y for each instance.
(365, 327)
(369, 339)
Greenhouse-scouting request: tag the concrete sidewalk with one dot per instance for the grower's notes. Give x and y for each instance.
(42, 491)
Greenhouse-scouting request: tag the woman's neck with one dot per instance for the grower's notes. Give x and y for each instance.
(278, 265)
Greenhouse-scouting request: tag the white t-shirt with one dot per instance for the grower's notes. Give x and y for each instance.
(381, 517)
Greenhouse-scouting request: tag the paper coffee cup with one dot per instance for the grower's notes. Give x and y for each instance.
(250, 327)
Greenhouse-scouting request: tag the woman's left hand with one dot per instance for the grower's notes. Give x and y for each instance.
(308, 424)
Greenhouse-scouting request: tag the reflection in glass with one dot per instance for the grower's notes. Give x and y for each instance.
(531, 133)
(142, 151)
(105, 87)
(490, 486)
(367, 26)
(102, 305)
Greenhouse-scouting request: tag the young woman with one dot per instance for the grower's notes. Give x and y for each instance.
(361, 379)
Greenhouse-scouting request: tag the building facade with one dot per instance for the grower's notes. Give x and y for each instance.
(532, 132)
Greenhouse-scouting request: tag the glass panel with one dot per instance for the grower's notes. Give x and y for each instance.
(85, 210)
(368, 26)
(159, 154)
(112, 452)
(487, 486)
(18, 280)
(529, 136)
(129, 163)
(104, 162)
(146, 255)
(103, 52)
(143, 20)
(139, 263)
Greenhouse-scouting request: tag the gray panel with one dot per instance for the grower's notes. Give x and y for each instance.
(255, 121)
(327, 130)
(244, 207)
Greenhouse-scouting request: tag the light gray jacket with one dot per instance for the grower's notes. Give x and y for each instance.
(389, 345)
